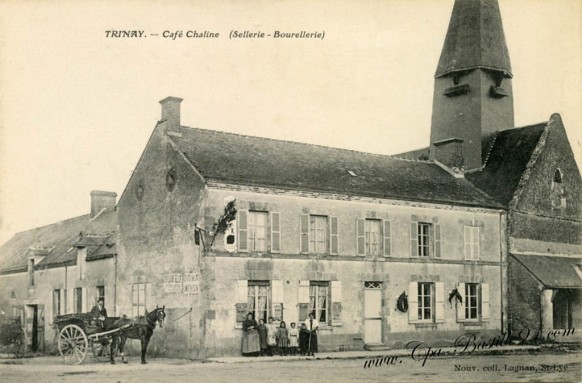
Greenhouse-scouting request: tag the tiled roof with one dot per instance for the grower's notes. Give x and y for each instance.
(256, 161)
(554, 272)
(58, 239)
(474, 39)
(506, 156)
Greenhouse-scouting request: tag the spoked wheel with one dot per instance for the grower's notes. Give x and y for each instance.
(73, 344)
(101, 348)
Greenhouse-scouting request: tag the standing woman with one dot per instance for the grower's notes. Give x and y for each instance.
(250, 341)
(312, 325)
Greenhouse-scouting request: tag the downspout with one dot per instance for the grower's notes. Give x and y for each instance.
(66, 286)
(115, 286)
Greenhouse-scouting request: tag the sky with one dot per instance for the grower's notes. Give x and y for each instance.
(77, 108)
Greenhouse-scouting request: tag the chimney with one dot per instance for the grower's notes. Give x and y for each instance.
(450, 153)
(171, 111)
(102, 200)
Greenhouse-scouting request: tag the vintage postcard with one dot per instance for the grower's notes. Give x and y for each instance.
(371, 191)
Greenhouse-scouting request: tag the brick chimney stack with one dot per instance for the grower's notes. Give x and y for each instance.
(171, 111)
(102, 200)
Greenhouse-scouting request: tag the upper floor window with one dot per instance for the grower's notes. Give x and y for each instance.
(31, 272)
(318, 234)
(425, 239)
(557, 194)
(257, 222)
(373, 237)
(471, 242)
(257, 232)
(558, 176)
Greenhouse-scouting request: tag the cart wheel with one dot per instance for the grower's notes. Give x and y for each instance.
(19, 348)
(101, 351)
(73, 344)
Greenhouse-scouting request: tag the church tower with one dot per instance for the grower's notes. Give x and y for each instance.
(473, 96)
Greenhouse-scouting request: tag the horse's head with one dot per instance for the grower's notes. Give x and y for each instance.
(160, 315)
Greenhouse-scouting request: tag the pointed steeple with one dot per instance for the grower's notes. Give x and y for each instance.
(473, 95)
(475, 39)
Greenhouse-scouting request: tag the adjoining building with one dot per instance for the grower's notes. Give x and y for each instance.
(531, 170)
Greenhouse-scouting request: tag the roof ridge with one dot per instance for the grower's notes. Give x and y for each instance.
(307, 144)
(50, 224)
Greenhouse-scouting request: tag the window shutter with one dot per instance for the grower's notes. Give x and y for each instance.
(243, 238)
(485, 301)
(476, 243)
(360, 236)
(437, 241)
(461, 305)
(303, 292)
(84, 299)
(242, 291)
(413, 302)
(275, 233)
(277, 291)
(439, 288)
(467, 243)
(333, 235)
(414, 239)
(387, 238)
(336, 303)
(304, 233)
(63, 295)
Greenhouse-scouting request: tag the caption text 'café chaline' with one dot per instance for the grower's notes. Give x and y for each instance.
(206, 34)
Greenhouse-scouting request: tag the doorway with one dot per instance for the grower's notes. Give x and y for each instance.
(373, 312)
(34, 327)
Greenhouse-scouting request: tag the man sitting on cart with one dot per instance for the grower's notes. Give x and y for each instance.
(99, 313)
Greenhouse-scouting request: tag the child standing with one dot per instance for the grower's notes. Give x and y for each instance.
(282, 338)
(262, 329)
(271, 336)
(303, 339)
(293, 339)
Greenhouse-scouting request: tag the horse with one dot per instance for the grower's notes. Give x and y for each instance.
(140, 328)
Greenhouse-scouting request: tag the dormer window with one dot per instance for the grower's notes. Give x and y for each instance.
(557, 193)
(558, 176)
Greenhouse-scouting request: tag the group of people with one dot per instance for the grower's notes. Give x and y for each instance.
(260, 339)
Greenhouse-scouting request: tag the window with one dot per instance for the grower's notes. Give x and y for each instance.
(471, 242)
(78, 299)
(424, 239)
(472, 306)
(317, 234)
(257, 226)
(558, 176)
(259, 298)
(56, 302)
(373, 237)
(138, 299)
(319, 301)
(100, 292)
(31, 272)
(425, 301)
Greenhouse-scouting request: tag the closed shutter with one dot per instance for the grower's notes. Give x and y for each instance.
(242, 291)
(414, 239)
(243, 239)
(437, 241)
(336, 303)
(304, 234)
(333, 230)
(485, 301)
(468, 242)
(439, 288)
(360, 236)
(84, 300)
(275, 233)
(413, 302)
(475, 242)
(387, 238)
(277, 291)
(461, 305)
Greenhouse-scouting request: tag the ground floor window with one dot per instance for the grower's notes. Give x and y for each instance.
(100, 294)
(472, 306)
(259, 296)
(319, 300)
(425, 301)
(57, 302)
(78, 299)
(138, 299)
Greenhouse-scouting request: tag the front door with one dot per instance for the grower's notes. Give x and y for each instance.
(373, 312)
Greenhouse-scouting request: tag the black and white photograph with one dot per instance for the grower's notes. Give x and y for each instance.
(290, 191)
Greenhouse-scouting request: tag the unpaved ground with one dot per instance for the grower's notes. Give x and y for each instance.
(548, 367)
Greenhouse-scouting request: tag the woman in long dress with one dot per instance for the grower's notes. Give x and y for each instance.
(312, 325)
(271, 336)
(250, 341)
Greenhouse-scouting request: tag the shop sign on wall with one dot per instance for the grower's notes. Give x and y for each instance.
(186, 283)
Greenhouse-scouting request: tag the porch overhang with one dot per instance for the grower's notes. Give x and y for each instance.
(554, 272)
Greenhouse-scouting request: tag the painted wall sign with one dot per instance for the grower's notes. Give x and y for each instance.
(241, 312)
(176, 283)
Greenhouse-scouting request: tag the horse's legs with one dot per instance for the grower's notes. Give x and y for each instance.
(123, 338)
(144, 346)
(112, 345)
